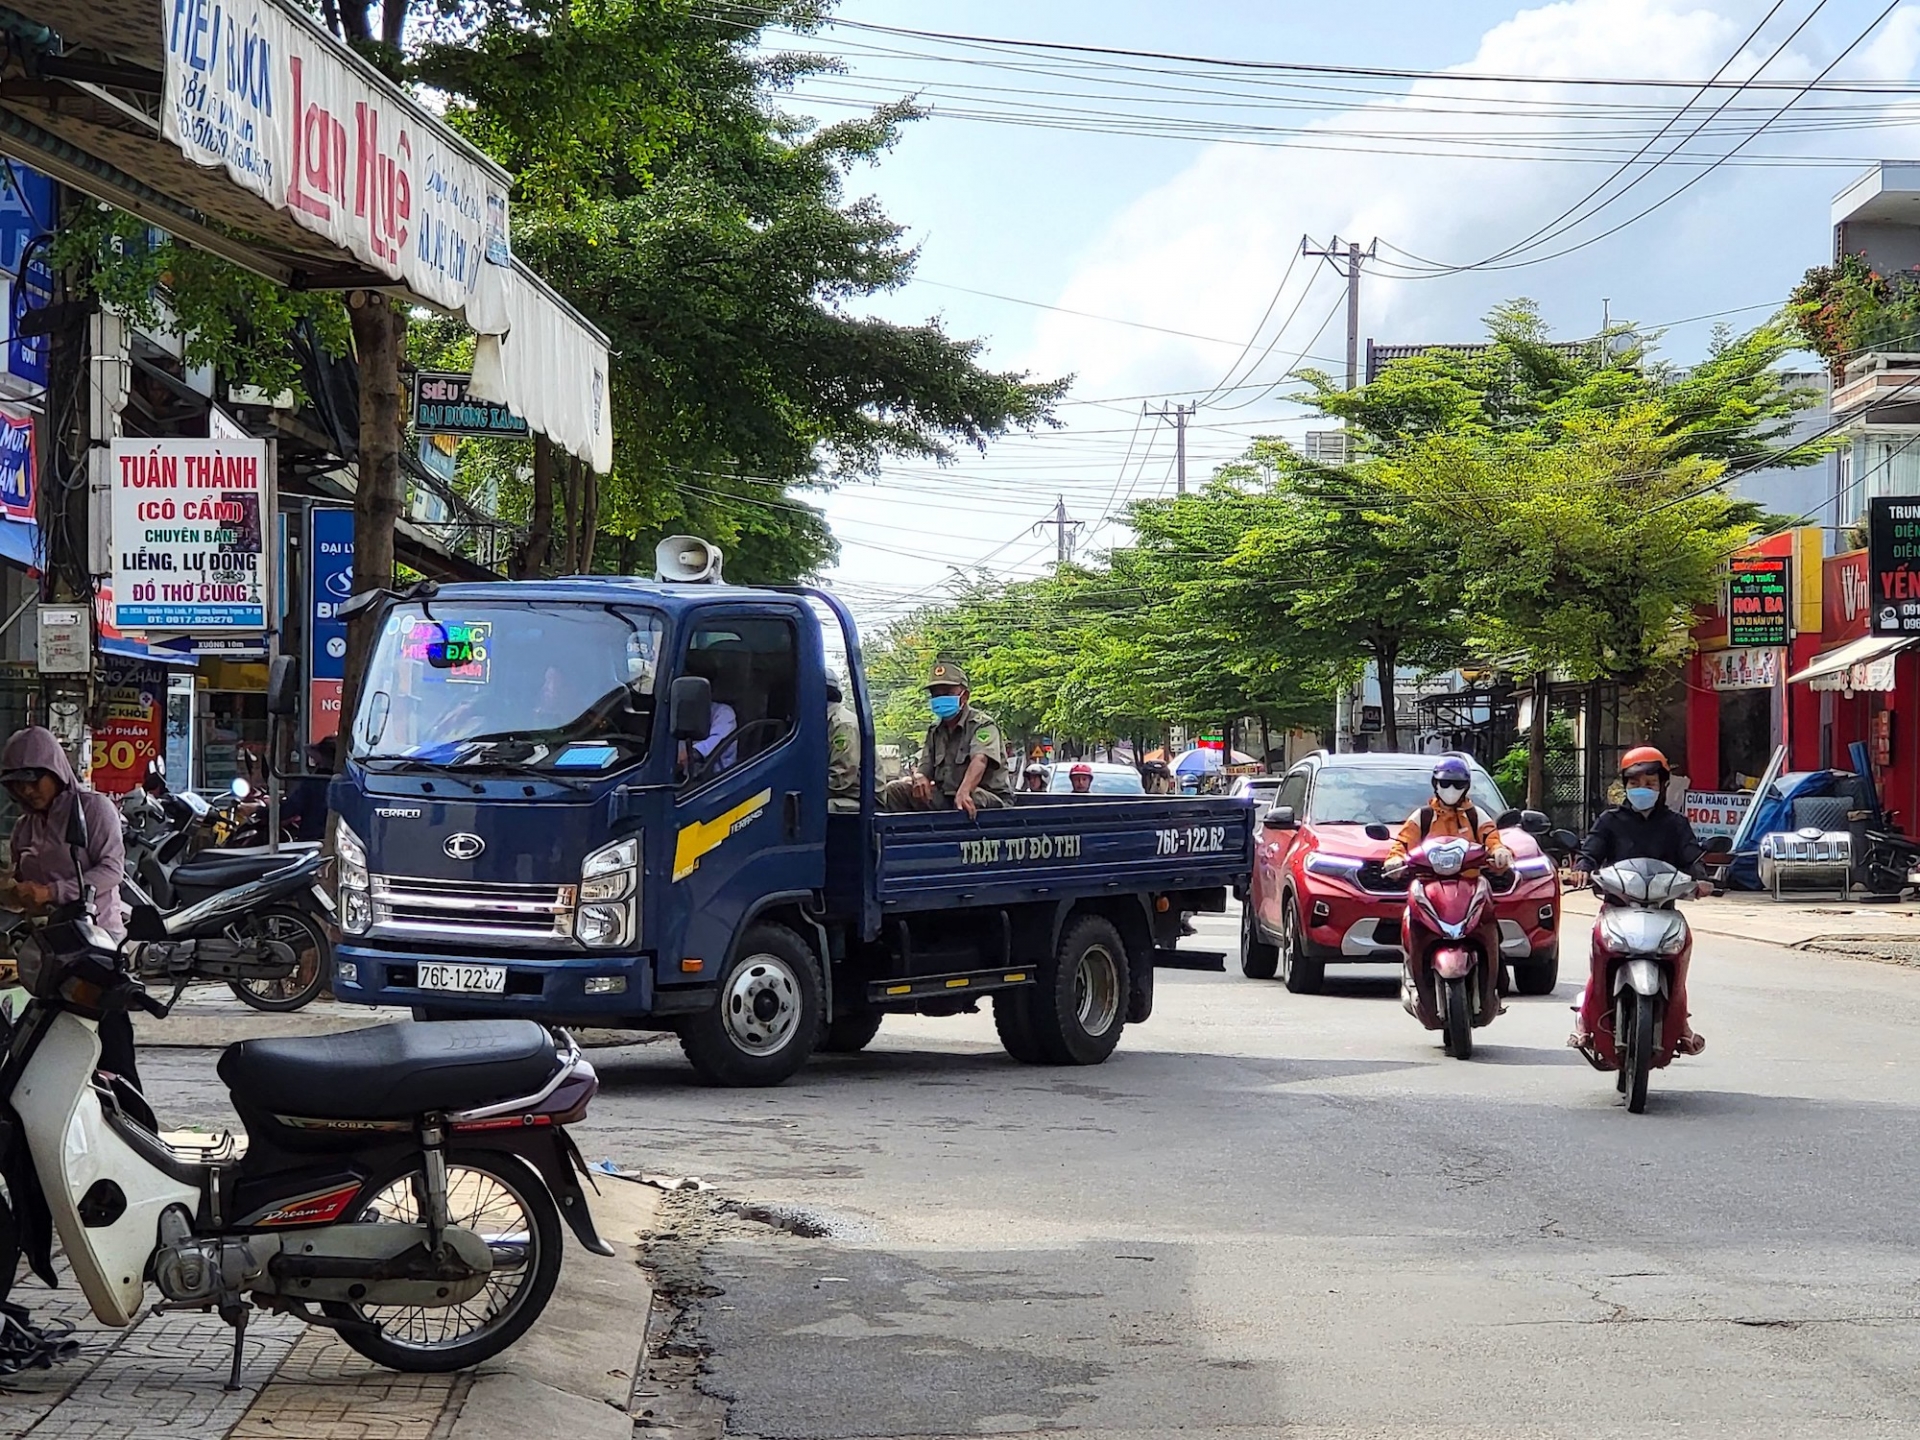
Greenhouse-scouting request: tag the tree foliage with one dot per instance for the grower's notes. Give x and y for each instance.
(1548, 510)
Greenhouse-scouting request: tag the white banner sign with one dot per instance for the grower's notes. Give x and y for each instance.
(1712, 812)
(189, 552)
(1745, 669)
(289, 113)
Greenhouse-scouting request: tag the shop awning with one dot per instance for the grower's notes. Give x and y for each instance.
(260, 138)
(1865, 664)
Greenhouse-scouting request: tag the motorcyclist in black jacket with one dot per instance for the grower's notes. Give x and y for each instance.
(1642, 827)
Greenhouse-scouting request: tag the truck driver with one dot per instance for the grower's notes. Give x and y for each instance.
(963, 764)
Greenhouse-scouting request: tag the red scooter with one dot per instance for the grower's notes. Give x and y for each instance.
(1641, 945)
(1450, 935)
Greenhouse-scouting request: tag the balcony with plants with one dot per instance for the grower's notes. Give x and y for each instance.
(1865, 324)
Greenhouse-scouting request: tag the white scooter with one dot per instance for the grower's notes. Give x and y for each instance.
(398, 1184)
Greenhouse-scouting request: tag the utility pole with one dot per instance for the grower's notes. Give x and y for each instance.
(1354, 256)
(1064, 529)
(1178, 417)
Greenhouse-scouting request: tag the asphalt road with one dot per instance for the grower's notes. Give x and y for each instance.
(1283, 1215)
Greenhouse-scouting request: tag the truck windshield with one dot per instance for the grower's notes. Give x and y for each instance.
(566, 688)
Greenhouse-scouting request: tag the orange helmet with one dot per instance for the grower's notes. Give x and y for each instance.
(1644, 755)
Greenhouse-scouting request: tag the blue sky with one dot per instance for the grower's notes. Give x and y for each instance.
(1192, 235)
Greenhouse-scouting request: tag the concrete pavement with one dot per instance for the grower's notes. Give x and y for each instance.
(1292, 1215)
(1269, 1214)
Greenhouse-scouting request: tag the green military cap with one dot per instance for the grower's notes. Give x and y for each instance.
(947, 673)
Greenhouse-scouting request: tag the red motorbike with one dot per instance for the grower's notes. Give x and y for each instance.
(1450, 936)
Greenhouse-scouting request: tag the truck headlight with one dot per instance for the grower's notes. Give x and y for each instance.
(601, 926)
(355, 889)
(609, 872)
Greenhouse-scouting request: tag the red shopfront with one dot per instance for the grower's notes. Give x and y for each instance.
(1740, 705)
(1867, 691)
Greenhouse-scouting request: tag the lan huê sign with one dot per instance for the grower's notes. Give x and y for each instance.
(442, 406)
(1893, 558)
(1757, 592)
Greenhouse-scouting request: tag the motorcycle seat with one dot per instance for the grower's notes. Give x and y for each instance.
(391, 1072)
(215, 870)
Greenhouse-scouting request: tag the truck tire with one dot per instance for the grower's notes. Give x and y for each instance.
(1080, 1004)
(1258, 960)
(851, 1034)
(1013, 1019)
(766, 1018)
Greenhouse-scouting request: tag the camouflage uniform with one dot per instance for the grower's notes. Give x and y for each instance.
(950, 748)
(843, 757)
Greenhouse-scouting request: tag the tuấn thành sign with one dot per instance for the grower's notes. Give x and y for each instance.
(188, 535)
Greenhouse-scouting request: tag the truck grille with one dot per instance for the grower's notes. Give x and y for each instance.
(463, 912)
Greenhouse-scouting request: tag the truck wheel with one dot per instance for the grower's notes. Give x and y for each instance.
(1538, 975)
(1080, 1005)
(1258, 960)
(766, 1020)
(1302, 974)
(1013, 1018)
(851, 1034)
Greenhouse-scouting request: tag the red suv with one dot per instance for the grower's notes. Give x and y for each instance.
(1318, 897)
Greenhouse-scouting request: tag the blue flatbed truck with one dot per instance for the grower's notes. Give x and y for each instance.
(535, 820)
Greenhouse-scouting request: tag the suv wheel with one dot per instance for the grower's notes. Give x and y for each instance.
(1303, 974)
(1258, 959)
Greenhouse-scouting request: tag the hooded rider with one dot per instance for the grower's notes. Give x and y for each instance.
(1642, 827)
(46, 873)
(1450, 813)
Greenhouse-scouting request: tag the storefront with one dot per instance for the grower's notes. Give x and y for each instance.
(1740, 704)
(1866, 688)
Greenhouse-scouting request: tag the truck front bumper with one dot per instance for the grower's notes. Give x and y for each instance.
(551, 989)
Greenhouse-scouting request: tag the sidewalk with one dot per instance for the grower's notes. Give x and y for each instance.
(1800, 924)
(572, 1375)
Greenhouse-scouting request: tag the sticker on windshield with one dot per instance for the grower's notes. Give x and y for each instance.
(463, 651)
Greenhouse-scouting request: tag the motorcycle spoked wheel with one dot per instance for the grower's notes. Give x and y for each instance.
(1456, 1018)
(504, 1202)
(301, 932)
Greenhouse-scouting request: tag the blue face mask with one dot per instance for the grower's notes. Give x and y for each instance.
(1642, 798)
(945, 707)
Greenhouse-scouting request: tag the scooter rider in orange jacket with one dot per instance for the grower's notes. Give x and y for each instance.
(1642, 827)
(1451, 813)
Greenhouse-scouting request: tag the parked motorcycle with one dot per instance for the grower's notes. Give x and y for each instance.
(1450, 938)
(1641, 946)
(402, 1185)
(163, 870)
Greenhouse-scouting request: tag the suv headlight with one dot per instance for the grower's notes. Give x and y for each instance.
(609, 886)
(355, 889)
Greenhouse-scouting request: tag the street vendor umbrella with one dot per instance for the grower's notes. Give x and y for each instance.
(1196, 762)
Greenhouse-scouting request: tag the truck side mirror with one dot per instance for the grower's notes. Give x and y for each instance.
(283, 686)
(690, 707)
(1280, 817)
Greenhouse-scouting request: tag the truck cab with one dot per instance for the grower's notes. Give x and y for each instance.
(603, 801)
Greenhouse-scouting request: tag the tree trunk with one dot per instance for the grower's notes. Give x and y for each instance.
(589, 516)
(533, 556)
(379, 339)
(1537, 744)
(1386, 661)
(570, 510)
(1266, 740)
(629, 554)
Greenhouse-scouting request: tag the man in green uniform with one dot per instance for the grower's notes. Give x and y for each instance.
(963, 764)
(843, 750)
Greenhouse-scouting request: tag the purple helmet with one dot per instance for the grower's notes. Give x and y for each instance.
(1452, 770)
